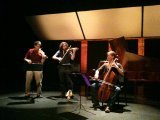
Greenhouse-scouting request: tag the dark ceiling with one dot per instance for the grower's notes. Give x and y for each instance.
(34, 7)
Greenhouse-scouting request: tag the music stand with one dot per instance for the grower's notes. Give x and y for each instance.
(33, 67)
(82, 80)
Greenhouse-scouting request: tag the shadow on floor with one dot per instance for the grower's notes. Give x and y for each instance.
(117, 108)
(22, 100)
(72, 116)
(63, 100)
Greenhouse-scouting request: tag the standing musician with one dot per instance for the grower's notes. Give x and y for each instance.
(35, 57)
(111, 64)
(65, 55)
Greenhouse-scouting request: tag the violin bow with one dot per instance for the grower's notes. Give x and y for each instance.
(65, 54)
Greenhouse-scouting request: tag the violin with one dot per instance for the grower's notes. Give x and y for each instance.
(72, 49)
(69, 50)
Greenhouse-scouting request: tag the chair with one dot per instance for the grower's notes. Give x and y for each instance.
(123, 92)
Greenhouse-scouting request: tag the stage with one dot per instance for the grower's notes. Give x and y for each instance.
(14, 106)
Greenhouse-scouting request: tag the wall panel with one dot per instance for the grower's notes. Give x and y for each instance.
(151, 20)
(111, 23)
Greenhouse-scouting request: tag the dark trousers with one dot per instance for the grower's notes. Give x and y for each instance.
(65, 79)
(112, 98)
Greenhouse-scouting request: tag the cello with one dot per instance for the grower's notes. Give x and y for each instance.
(108, 84)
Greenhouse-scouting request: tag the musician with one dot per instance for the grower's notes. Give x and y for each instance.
(35, 57)
(111, 63)
(65, 55)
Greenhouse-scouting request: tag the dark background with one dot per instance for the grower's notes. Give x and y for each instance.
(17, 37)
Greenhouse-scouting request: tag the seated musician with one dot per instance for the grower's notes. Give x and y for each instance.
(107, 67)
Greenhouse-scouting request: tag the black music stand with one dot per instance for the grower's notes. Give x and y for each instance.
(83, 80)
(33, 67)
